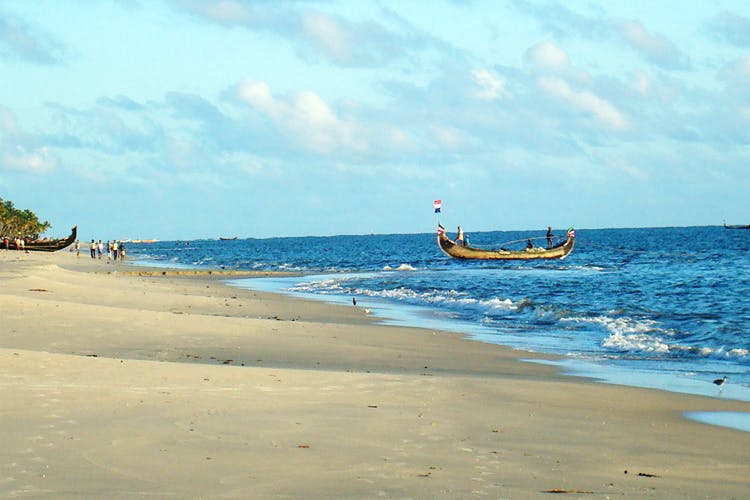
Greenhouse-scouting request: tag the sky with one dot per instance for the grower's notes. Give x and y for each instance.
(187, 119)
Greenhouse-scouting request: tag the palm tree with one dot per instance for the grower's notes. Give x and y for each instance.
(15, 222)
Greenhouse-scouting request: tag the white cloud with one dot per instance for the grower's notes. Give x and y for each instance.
(305, 118)
(604, 112)
(642, 83)
(14, 155)
(635, 34)
(400, 140)
(654, 48)
(450, 138)
(548, 56)
(315, 123)
(328, 34)
(258, 96)
(228, 12)
(492, 86)
(317, 35)
(37, 161)
(179, 152)
(250, 169)
(310, 109)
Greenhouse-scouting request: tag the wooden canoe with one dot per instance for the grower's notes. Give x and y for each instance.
(51, 245)
(451, 249)
(736, 226)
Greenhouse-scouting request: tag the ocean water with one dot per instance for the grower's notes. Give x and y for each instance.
(667, 308)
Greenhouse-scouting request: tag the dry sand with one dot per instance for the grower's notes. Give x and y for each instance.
(119, 385)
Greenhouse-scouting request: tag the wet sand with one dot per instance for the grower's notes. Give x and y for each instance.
(122, 383)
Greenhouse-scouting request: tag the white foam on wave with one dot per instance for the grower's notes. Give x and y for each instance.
(589, 267)
(402, 267)
(450, 300)
(628, 334)
(447, 298)
(320, 286)
(731, 353)
(645, 335)
(498, 303)
(289, 267)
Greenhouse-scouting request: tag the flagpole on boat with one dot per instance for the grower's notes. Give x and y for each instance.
(437, 205)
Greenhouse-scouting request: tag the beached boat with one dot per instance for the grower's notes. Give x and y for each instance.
(46, 245)
(452, 249)
(736, 226)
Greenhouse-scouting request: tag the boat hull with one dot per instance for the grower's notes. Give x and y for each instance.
(44, 246)
(451, 249)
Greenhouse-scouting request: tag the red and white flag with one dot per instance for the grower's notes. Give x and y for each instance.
(437, 205)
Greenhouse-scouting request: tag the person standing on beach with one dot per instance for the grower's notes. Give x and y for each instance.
(109, 252)
(114, 250)
(78, 248)
(92, 249)
(99, 248)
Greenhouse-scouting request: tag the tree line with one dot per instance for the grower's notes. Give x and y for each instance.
(15, 221)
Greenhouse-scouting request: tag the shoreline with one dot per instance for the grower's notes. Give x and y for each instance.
(414, 316)
(112, 374)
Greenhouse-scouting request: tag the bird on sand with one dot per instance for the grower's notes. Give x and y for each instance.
(720, 381)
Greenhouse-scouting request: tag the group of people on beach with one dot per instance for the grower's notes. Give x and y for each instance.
(114, 250)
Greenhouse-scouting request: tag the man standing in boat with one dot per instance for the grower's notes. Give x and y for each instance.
(460, 237)
(549, 236)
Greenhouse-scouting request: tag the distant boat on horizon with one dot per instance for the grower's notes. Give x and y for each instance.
(227, 238)
(736, 226)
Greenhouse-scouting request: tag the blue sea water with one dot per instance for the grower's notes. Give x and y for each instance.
(659, 307)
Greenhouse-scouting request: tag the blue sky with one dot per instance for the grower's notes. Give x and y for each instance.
(181, 119)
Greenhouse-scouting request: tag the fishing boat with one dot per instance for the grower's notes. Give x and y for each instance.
(452, 249)
(227, 238)
(46, 245)
(736, 226)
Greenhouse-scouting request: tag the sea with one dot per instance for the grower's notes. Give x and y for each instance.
(664, 308)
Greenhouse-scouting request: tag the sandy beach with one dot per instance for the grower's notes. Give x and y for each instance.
(121, 382)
